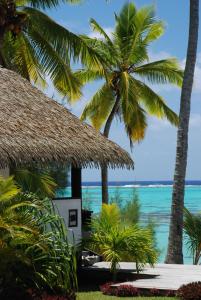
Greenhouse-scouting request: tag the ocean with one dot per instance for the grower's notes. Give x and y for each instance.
(155, 201)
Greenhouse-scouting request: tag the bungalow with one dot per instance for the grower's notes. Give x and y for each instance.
(35, 129)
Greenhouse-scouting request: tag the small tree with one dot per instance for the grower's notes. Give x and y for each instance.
(117, 242)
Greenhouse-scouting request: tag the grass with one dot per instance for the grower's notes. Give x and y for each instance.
(100, 296)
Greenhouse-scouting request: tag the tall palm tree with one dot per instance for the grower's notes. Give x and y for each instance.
(127, 71)
(174, 253)
(36, 47)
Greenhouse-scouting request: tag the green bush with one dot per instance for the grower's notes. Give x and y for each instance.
(118, 242)
(34, 249)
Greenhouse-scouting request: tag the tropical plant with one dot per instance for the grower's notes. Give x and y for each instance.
(34, 180)
(175, 243)
(34, 250)
(126, 72)
(130, 213)
(117, 198)
(192, 230)
(117, 242)
(38, 48)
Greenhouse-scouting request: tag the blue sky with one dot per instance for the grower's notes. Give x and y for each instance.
(154, 157)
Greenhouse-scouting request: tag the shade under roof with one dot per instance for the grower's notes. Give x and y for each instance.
(35, 128)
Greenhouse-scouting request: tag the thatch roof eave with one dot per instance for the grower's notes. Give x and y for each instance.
(36, 129)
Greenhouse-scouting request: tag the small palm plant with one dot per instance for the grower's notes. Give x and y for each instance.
(192, 230)
(117, 242)
(127, 74)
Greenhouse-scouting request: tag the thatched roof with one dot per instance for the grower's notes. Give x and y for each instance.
(35, 128)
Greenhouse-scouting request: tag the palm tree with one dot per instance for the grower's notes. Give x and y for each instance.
(127, 70)
(116, 242)
(174, 253)
(36, 47)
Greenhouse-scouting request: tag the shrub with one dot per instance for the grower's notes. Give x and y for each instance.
(106, 289)
(170, 293)
(191, 291)
(118, 242)
(126, 291)
(17, 293)
(34, 250)
(154, 292)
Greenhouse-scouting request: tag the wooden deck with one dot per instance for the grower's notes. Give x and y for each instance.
(162, 276)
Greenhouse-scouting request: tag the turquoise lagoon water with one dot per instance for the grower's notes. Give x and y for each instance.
(155, 201)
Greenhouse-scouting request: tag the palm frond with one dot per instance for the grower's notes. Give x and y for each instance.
(153, 103)
(108, 41)
(8, 189)
(162, 71)
(63, 41)
(89, 75)
(133, 115)
(155, 31)
(124, 28)
(45, 4)
(55, 65)
(33, 181)
(143, 22)
(20, 56)
(99, 107)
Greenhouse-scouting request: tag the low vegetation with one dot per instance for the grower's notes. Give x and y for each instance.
(117, 242)
(192, 230)
(35, 255)
(99, 296)
(191, 291)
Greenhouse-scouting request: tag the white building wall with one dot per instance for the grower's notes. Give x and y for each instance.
(63, 206)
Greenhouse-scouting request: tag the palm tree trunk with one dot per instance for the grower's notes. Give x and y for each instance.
(104, 169)
(175, 253)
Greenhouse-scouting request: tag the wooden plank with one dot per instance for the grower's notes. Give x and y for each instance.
(162, 276)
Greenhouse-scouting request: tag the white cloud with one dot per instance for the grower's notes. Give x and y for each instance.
(162, 124)
(97, 35)
(158, 124)
(159, 55)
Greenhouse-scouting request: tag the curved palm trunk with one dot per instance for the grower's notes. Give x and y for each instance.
(175, 253)
(104, 169)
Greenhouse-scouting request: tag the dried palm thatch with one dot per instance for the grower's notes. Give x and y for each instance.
(35, 128)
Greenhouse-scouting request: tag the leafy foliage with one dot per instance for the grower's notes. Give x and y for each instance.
(35, 181)
(191, 291)
(37, 48)
(127, 70)
(118, 242)
(192, 229)
(34, 250)
(130, 213)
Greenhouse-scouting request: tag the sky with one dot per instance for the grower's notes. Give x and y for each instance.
(154, 157)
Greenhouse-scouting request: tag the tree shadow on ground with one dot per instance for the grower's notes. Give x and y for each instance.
(90, 280)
